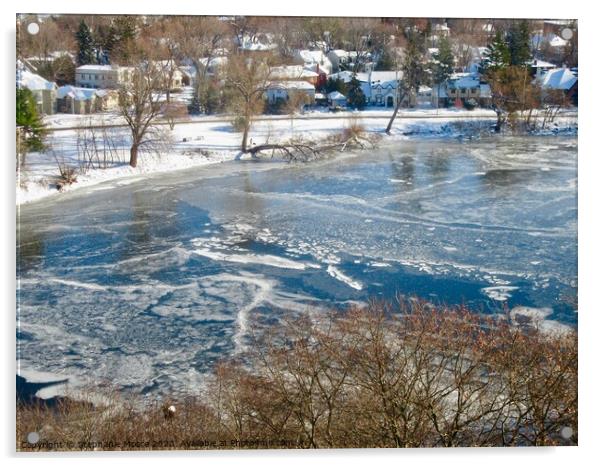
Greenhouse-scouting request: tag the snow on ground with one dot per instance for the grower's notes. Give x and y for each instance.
(205, 140)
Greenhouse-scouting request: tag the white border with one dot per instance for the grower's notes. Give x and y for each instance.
(590, 174)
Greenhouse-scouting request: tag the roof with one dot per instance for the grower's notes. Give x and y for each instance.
(79, 93)
(303, 85)
(32, 81)
(336, 95)
(463, 81)
(96, 68)
(541, 64)
(292, 72)
(559, 78)
(384, 76)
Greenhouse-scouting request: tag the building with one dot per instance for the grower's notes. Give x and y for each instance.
(336, 100)
(294, 73)
(463, 89)
(345, 60)
(314, 60)
(82, 100)
(284, 91)
(561, 79)
(102, 76)
(44, 91)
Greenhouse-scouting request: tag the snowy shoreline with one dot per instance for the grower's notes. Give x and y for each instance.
(203, 141)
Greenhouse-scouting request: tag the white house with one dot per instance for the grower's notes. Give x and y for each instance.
(102, 76)
(43, 91)
(285, 90)
(314, 60)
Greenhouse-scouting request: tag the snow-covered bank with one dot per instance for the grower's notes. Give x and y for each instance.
(211, 139)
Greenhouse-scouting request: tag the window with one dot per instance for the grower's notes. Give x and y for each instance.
(463, 91)
(473, 91)
(96, 77)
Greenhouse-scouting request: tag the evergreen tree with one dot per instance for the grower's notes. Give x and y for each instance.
(335, 85)
(497, 55)
(442, 64)
(86, 54)
(355, 95)
(105, 39)
(519, 39)
(386, 61)
(31, 128)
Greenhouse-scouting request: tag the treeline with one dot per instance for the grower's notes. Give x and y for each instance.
(382, 376)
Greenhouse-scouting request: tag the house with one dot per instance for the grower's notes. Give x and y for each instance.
(379, 87)
(295, 73)
(344, 60)
(314, 60)
(336, 100)
(383, 88)
(464, 89)
(171, 73)
(561, 79)
(82, 100)
(102, 76)
(213, 67)
(284, 91)
(44, 91)
(540, 67)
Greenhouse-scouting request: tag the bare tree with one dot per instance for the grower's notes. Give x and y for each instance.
(199, 39)
(247, 80)
(140, 107)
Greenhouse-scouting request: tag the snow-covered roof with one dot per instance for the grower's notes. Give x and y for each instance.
(300, 85)
(346, 76)
(463, 81)
(541, 64)
(292, 72)
(96, 68)
(32, 81)
(314, 59)
(79, 93)
(384, 76)
(215, 61)
(557, 41)
(559, 78)
(336, 95)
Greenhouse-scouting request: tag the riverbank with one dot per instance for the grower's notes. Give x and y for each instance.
(208, 140)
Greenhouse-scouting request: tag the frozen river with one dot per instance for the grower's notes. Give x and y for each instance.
(146, 282)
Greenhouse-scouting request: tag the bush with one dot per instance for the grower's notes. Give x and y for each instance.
(381, 376)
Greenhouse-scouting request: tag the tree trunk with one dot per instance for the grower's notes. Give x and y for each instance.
(390, 125)
(499, 121)
(134, 155)
(245, 135)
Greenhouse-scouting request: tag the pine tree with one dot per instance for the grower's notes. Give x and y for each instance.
(85, 43)
(29, 122)
(442, 64)
(519, 39)
(335, 85)
(355, 95)
(497, 55)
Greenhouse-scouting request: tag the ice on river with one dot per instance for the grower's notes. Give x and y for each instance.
(148, 284)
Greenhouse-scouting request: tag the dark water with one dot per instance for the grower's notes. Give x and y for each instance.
(147, 283)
